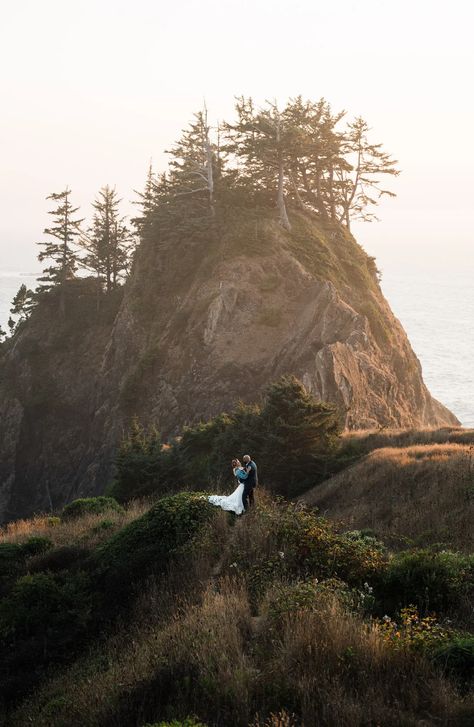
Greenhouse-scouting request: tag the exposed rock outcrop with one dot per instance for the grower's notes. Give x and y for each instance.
(199, 327)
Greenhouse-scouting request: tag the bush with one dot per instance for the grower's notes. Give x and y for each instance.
(145, 545)
(36, 545)
(13, 558)
(431, 581)
(41, 621)
(299, 544)
(90, 505)
(456, 658)
(45, 606)
(57, 559)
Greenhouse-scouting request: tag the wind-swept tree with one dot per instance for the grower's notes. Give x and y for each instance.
(358, 186)
(194, 164)
(260, 141)
(108, 243)
(22, 305)
(60, 248)
(147, 202)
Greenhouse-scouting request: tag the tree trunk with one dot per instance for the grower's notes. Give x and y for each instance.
(284, 221)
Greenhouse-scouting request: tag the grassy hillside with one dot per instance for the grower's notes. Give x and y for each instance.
(409, 486)
(183, 611)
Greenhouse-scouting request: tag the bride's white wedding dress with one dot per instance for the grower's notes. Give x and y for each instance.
(231, 502)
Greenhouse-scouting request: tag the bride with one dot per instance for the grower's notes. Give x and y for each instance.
(232, 502)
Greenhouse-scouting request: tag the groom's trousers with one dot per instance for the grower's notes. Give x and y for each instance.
(247, 495)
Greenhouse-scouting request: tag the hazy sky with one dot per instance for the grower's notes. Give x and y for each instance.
(91, 90)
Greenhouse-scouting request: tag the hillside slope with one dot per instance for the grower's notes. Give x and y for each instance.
(423, 493)
(205, 319)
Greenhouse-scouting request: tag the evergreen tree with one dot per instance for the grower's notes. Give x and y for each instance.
(301, 434)
(194, 165)
(60, 248)
(22, 305)
(108, 243)
(148, 201)
(261, 141)
(359, 183)
(2, 334)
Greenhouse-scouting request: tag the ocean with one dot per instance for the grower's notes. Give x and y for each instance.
(435, 307)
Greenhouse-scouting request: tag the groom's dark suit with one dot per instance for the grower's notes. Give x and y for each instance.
(249, 484)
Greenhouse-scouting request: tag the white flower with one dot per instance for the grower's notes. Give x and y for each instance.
(281, 554)
(233, 565)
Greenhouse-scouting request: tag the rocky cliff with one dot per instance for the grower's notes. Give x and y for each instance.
(201, 323)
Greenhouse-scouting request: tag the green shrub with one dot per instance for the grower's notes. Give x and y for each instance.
(42, 619)
(145, 545)
(46, 606)
(36, 545)
(305, 546)
(13, 558)
(456, 658)
(64, 557)
(431, 581)
(93, 505)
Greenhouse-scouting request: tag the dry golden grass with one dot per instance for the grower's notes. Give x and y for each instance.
(421, 492)
(341, 672)
(365, 440)
(65, 532)
(204, 658)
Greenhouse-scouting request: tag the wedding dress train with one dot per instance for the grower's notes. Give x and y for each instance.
(231, 502)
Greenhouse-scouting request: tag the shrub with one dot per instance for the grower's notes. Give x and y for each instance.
(41, 620)
(36, 545)
(90, 505)
(285, 541)
(46, 606)
(456, 657)
(431, 581)
(13, 557)
(57, 559)
(145, 545)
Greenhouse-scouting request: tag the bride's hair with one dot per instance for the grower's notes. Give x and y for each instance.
(236, 463)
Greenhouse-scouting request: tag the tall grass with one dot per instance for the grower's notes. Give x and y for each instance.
(196, 643)
(423, 493)
(85, 529)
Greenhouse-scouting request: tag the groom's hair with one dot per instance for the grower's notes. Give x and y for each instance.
(247, 458)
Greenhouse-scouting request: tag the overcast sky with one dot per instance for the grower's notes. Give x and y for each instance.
(91, 90)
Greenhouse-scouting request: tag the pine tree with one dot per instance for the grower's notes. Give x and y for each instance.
(60, 248)
(300, 434)
(359, 183)
(108, 243)
(148, 201)
(194, 165)
(2, 334)
(22, 305)
(261, 141)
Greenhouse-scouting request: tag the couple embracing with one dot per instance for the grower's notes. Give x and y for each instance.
(242, 497)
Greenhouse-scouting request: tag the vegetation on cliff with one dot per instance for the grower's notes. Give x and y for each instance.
(179, 612)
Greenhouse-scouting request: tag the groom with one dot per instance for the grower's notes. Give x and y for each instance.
(250, 482)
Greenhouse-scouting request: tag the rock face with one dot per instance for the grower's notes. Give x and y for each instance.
(196, 328)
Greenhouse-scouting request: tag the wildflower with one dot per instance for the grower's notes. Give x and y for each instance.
(281, 554)
(233, 565)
